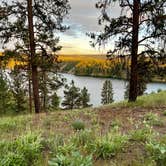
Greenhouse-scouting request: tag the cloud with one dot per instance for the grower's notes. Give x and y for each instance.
(83, 18)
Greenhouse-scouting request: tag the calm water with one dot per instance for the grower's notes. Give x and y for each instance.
(94, 86)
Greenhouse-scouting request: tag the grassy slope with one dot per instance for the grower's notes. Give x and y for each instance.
(127, 117)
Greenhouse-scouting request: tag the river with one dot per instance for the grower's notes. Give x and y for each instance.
(94, 86)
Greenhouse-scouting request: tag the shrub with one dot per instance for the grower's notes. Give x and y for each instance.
(109, 145)
(78, 125)
(23, 151)
(142, 135)
(164, 113)
(158, 152)
(83, 138)
(153, 119)
(115, 123)
(74, 159)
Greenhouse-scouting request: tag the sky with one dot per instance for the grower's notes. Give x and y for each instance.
(83, 18)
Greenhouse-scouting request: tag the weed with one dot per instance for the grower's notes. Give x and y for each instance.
(158, 152)
(109, 145)
(142, 135)
(153, 119)
(74, 159)
(83, 138)
(78, 125)
(23, 151)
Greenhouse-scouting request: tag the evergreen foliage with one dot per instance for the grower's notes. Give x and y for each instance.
(144, 76)
(85, 98)
(19, 89)
(55, 101)
(140, 26)
(32, 27)
(107, 93)
(71, 97)
(5, 94)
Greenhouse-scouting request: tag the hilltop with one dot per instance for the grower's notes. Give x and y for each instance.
(118, 134)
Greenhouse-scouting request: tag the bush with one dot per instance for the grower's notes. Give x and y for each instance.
(109, 145)
(83, 138)
(78, 125)
(164, 113)
(74, 159)
(153, 119)
(142, 135)
(158, 152)
(23, 151)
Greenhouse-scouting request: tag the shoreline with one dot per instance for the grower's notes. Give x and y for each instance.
(114, 77)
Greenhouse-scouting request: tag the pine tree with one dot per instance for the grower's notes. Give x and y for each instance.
(139, 30)
(144, 76)
(32, 28)
(55, 101)
(5, 95)
(85, 98)
(49, 84)
(19, 88)
(107, 93)
(71, 97)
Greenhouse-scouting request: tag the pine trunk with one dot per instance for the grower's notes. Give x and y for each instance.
(30, 89)
(134, 53)
(33, 58)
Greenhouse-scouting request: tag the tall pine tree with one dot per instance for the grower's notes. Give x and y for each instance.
(32, 26)
(107, 93)
(139, 30)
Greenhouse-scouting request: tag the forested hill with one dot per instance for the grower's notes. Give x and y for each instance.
(99, 66)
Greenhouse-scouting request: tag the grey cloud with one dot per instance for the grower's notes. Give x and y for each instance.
(83, 17)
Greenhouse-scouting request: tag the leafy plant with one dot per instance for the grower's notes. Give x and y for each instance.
(153, 119)
(78, 125)
(158, 152)
(109, 145)
(75, 159)
(84, 137)
(142, 135)
(164, 113)
(23, 151)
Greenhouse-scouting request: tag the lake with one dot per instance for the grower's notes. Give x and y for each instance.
(94, 86)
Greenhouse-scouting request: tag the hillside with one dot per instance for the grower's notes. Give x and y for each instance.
(100, 66)
(118, 134)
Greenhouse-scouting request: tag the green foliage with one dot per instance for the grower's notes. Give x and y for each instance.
(153, 119)
(49, 83)
(150, 100)
(55, 101)
(18, 89)
(107, 93)
(158, 152)
(78, 125)
(74, 159)
(5, 94)
(85, 98)
(142, 135)
(164, 113)
(23, 151)
(119, 30)
(115, 123)
(71, 96)
(109, 145)
(83, 138)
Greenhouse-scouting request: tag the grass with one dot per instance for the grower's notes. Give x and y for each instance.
(120, 134)
(151, 100)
